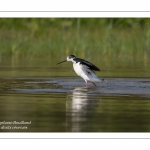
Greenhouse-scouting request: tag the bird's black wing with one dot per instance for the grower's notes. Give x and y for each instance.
(88, 64)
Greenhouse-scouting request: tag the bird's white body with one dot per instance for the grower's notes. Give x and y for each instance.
(85, 73)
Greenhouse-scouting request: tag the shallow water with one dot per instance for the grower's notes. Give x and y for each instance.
(65, 105)
(34, 98)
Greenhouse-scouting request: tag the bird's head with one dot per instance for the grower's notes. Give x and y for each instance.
(69, 58)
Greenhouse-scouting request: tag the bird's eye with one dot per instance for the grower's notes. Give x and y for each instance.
(70, 56)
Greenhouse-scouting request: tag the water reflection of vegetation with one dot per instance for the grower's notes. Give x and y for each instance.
(40, 109)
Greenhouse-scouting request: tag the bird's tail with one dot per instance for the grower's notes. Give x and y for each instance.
(100, 80)
(93, 78)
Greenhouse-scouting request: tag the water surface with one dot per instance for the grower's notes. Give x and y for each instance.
(52, 98)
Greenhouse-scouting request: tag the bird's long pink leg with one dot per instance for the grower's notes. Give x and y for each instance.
(86, 83)
(94, 83)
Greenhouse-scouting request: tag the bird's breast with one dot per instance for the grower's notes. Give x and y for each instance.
(77, 68)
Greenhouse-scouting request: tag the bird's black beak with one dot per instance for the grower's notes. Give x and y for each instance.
(61, 62)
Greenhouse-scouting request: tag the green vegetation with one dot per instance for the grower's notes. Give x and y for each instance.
(117, 38)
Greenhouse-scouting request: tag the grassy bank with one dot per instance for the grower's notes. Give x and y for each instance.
(101, 38)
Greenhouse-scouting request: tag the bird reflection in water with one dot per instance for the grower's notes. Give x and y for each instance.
(78, 109)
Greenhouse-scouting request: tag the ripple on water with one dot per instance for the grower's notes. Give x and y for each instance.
(114, 86)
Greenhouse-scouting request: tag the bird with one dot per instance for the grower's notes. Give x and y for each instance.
(84, 69)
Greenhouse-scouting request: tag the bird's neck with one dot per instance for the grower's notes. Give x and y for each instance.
(73, 61)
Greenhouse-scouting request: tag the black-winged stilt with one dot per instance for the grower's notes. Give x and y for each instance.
(84, 69)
